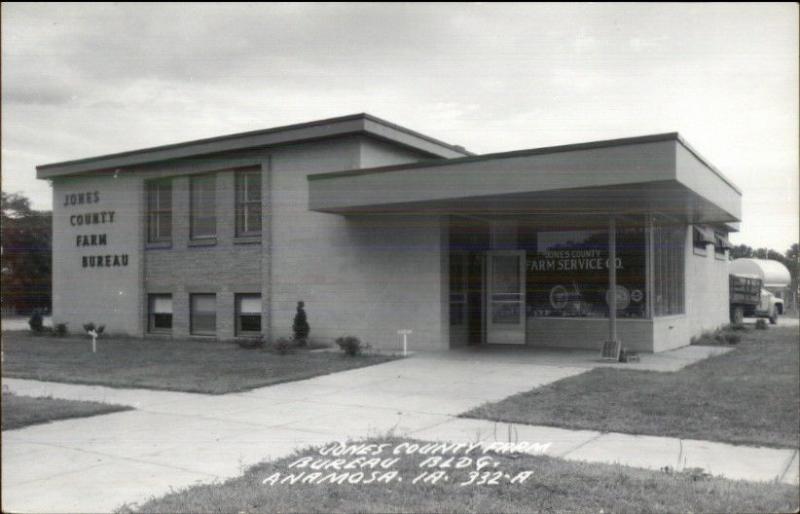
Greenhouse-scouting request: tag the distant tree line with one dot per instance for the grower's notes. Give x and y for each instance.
(26, 249)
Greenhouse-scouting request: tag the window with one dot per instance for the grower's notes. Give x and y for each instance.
(203, 224)
(668, 269)
(160, 313)
(248, 314)
(701, 236)
(248, 202)
(721, 244)
(567, 273)
(203, 314)
(159, 211)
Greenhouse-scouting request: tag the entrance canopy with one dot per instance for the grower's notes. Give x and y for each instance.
(659, 173)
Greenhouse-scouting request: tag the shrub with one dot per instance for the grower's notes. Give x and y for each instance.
(282, 346)
(761, 324)
(719, 337)
(350, 345)
(733, 338)
(300, 327)
(88, 327)
(36, 321)
(251, 343)
(60, 330)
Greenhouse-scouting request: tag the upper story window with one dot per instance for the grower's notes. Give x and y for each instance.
(159, 211)
(203, 222)
(248, 202)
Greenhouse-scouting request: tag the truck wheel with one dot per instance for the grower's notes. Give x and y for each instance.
(773, 317)
(737, 314)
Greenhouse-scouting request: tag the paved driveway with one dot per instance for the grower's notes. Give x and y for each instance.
(173, 440)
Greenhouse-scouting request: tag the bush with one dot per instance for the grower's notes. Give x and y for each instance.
(88, 327)
(761, 324)
(725, 336)
(60, 330)
(282, 346)
(36, 321)
(251, 343)
(300, 327)
(350, 345)
(733, 338)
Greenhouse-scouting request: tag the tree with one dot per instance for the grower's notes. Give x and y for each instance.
(26, 250)
(793, 263)
(741, 252)
(300, 326)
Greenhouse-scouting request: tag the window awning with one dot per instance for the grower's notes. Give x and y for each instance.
(703, 234)
(722, 242)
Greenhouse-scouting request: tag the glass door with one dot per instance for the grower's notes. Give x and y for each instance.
(505, 291)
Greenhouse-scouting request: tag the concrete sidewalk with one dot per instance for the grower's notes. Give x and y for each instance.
(175, 439)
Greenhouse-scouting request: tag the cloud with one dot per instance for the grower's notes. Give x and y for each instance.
(87, 79)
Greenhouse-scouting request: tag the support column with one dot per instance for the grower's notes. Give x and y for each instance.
(612, 278)
(649, 258)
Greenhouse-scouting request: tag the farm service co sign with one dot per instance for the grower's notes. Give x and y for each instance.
(571, 278)
(96, 224)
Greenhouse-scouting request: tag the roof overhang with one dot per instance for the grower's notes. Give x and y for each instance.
(650, 174)
(304, 132)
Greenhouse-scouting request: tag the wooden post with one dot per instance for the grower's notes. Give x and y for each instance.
(612, 279)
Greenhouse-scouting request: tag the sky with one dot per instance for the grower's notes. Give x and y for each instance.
(80, 80)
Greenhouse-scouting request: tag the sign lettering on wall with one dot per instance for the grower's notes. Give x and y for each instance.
(97, 218)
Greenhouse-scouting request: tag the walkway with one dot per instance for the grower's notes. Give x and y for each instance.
(173, 440)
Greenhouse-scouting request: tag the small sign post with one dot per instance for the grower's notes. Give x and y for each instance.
(405, 333)
(93, 333)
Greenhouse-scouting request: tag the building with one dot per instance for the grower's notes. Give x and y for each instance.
(378, 228)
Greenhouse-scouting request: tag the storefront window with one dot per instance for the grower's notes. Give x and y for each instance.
(669, 242)
(567, 274)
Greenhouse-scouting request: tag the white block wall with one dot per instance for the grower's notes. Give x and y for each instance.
(707, 294)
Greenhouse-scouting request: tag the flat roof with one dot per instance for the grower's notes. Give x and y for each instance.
(652, 173)
(607, 143)
(319, 129)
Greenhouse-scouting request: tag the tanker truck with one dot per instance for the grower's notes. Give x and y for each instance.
(754, 288)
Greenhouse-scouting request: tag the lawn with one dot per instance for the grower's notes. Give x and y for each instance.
(192, 366)
(554, 486)
(21, 411)
(750, 395)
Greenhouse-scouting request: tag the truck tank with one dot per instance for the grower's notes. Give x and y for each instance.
(773, 274)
